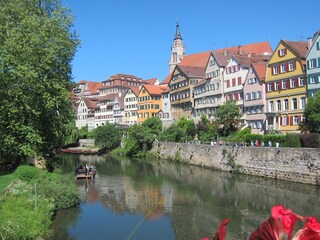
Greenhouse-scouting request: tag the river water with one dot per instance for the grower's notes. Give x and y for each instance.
(145, 199)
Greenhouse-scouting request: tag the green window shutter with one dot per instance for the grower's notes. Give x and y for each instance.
(318, 62)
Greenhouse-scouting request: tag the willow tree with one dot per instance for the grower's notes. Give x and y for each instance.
(37, 45)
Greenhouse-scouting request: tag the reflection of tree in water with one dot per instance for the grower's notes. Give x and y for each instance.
(62, 221)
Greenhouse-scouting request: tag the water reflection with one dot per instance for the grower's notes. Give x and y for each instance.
(142, 199)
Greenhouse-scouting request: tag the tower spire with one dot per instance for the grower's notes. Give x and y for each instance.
(177, 50)
(178, 34)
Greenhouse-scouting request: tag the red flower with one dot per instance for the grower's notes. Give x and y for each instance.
(287, 217)
(222, 231)
(310, 231)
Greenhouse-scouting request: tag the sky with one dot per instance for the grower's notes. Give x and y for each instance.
(135, 36)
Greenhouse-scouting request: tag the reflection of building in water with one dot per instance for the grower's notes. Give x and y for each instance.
(121, 195)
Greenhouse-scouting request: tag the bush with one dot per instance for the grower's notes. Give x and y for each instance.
(292, 140)
(60, 188)
(310, 140)
(27, 173)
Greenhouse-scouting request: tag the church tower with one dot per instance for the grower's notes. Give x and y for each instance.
(177, 50)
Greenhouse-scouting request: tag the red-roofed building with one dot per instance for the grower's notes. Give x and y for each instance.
(149, 101)
(183, 79)
(286, 86)
(85, 112)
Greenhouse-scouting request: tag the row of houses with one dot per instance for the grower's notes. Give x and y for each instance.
(270, 87)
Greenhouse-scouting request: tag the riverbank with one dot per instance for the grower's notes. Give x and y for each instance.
(291, 164)
(31, 196)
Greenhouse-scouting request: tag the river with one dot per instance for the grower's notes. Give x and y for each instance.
(145, 199)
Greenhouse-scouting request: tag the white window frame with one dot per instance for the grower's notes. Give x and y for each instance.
(294, 102)
(292, 83)
(291, 65)
(303, 102)
(283, 68)
(295, 120)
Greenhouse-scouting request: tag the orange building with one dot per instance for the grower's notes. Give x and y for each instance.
(149, 101)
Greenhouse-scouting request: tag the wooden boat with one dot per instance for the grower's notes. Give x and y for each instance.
(84, 176)
(82, 173)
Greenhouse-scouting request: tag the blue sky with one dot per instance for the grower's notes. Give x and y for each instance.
(135, 36)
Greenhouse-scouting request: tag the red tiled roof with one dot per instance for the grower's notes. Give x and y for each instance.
(196, 60)
(192, 71)
(246, 61)
(124, 76)
(150, 81)
(90, 102)
(93, 87)
(109, 97)
(167, 79)
(260, 69)
(300, 48)
(259, 48)
(135, 90)
(155, 89)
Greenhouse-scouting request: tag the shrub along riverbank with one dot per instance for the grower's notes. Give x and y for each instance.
(29, 198)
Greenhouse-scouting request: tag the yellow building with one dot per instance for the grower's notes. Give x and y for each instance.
(149, 101)
(286, 87)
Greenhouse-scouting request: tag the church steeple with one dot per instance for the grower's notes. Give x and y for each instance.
(178, 34)
(177, 50)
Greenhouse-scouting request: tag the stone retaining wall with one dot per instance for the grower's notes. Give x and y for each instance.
(291, 164)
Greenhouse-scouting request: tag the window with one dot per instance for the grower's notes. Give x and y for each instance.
(312, 79)
(271, 106)
(282, 52)
(269, 87)
(301, 81)
(239, 81)
(291, 65)
(283, 68)
(276, 86)
(233, 82)
(312, 63)
(259, 125)
(292, 83)
(318, 45)
(286, 104)
(259, 95)
(284, 84)
(285, 120)
(302, 103)
(275, 70)
(278, 105)
(294, 104)
(248, 96)
(295, 120)
(253, 95)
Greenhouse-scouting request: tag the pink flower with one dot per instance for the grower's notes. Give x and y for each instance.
(310, 231)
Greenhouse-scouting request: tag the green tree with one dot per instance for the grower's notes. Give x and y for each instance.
(173, 133)
(37, 45)
(108, 136)
(189, 129)
(312, 115)
(227, 117)
(207, 131)
(154, 125)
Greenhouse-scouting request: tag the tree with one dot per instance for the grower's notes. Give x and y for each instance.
(189, 129)
(207, 132)
(312, 115)
(37, 46)
(108, 136)
(227, 117)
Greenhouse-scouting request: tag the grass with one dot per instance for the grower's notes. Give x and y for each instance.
(6, 180)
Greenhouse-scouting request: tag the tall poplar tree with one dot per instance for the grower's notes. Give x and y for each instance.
(37, 45)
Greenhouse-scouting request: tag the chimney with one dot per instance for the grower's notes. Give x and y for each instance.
(240, 50)
(309, 42)
(225, 52)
